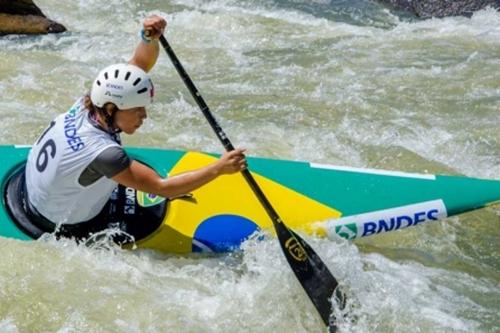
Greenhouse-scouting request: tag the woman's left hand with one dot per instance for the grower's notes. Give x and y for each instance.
(154, 25)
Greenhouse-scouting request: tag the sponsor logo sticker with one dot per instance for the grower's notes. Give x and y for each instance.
(295, 249)
(148, 199)
(114, 86)
(386, 220)
(129, 207)
(347, 231)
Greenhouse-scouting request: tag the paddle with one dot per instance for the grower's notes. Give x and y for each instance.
(310, 270)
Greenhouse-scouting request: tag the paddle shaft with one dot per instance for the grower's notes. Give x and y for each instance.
(311, 272)
(218, 130)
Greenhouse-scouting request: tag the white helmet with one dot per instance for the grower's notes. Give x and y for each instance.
(125, 85)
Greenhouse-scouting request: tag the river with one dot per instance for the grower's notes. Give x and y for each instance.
(338, 82)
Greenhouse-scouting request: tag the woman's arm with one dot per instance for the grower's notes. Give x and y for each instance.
(145, 54)
(145, 179)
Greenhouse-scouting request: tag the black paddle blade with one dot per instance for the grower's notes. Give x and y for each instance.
(312, 273)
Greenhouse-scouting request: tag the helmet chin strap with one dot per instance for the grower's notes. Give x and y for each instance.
(109, 118)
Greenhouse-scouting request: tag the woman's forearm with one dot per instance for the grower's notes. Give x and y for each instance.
(189, 181)
(146, 52)
(145, 55)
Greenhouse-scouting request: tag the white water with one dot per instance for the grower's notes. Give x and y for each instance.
(356, 87)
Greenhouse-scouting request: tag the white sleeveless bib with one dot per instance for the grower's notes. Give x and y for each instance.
(56, 162)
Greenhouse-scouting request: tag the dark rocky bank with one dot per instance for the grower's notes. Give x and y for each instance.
(441, 8)
(24, 17)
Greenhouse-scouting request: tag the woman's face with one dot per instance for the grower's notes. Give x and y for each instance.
(129, 120)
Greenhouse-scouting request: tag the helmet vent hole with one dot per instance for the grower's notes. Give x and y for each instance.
(116, 73)
(127, 76)
(143, 90)
(106, 75)
(136, 82)
(98, 82)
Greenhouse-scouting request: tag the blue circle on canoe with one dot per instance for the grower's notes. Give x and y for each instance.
(222, 233)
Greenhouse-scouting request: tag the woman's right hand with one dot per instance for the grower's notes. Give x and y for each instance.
(232, 161)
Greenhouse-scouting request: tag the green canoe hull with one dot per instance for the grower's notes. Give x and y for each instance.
(311, 198)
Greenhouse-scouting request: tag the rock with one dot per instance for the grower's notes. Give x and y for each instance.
(400, 4)
(28, 24)
(24, 17)
(441, 8)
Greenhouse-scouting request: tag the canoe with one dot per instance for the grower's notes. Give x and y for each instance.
(319, 199)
